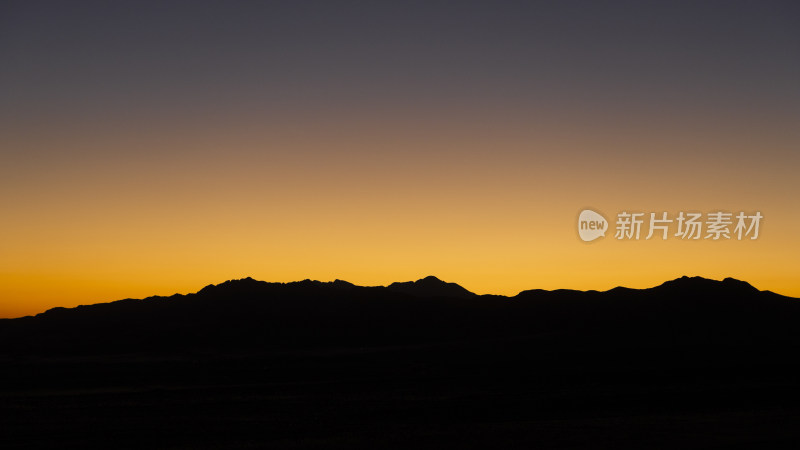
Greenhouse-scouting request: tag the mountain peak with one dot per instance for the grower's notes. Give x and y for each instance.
(431, 286)
(744, 285)
(430, 279)
(697, 283)
(240, 284)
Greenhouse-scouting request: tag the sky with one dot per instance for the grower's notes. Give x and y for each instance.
(149, 148)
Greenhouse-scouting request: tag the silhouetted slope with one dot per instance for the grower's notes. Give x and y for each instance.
(431, 286)
(254, 315)
(695, 363)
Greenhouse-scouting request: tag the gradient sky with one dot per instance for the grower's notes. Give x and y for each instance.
(148, 148)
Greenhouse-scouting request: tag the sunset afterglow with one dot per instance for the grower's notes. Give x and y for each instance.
(143, 154)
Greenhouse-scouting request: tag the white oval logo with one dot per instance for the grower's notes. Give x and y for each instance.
(591, 225)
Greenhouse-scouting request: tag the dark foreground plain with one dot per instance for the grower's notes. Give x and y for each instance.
(692, 363)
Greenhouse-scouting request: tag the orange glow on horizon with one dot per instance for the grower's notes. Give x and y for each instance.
(151, 148)
(476, 208)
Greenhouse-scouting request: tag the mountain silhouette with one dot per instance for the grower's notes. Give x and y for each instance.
(247, 313)
(700, 284)
(690, 363)
(431, 286)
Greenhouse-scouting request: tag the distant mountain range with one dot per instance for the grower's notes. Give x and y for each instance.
(691, 363)
(247, 314)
